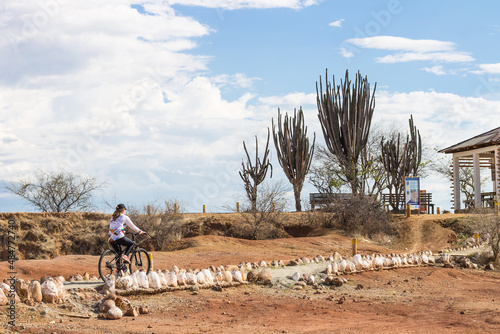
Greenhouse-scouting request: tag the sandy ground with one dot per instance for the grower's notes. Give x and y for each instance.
(406, 300)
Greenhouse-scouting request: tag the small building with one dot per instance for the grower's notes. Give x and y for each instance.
(481, 151)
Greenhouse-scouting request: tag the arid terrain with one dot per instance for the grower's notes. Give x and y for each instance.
(426, 299)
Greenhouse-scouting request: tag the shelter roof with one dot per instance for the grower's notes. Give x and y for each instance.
(489, 138)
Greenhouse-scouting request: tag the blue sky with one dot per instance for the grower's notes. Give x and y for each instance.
(156, 97)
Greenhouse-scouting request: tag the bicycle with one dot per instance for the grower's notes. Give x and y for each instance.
(111, 262)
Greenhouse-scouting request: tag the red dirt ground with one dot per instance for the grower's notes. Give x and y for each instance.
(408, 300)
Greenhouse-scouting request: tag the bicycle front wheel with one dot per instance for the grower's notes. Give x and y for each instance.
(140, 260)
(107, 264)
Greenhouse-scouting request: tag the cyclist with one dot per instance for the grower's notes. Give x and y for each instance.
(117, 236)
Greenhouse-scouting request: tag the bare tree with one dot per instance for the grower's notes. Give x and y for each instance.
(265, 221)
(401, 159)
(345, 114)
(488, 226)
(163, 222)
(293, 150)
(253, 175)
(57, 191)
(328, 177)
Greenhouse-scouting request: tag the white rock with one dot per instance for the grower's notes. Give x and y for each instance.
(49, 291)
(135, 281)
(191, 279)
(154, 280)
(142, 279)
(208, 276)
(237, 276)
(163, 279)
(200, 277)
(35, 291)
(181, 278)
(114, 313)
(126, 282)
(171, 279)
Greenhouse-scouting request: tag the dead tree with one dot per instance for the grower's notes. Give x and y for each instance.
(345, 114)
(293, 150)
(401, 160)
(58, 191)
(253, 175)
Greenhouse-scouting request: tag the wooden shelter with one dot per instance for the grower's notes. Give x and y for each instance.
(481, 151)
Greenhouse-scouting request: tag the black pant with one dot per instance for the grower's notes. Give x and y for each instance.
(123, 242)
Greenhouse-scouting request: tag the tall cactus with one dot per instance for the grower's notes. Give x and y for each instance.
(293, 150)
(253, 175)
(345, 114)
(401, 160)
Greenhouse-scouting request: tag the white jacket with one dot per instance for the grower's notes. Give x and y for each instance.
(116, 227)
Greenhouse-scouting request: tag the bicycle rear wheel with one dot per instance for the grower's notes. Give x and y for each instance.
(107, 264)
(140, 260)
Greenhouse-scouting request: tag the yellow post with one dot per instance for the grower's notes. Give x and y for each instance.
(204, 208)
(175, 208)
(151, 258)
(237, 206)
(476, 239)
(274, 207)
(438, 210)
(497, 205)
(408, 210)
(354, 246)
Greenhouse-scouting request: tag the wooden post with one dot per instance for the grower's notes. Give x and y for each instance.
(408, 210)
(149, 209)
(438, 210)
(175, 208)
(204, 208)
(274, 207)
(354, 246)
(238, 207)
(476, 239)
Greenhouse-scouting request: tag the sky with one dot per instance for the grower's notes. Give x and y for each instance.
(156, 98)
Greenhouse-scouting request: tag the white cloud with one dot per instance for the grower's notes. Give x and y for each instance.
(437, 70)
(292, 100)
(346, 53)
(394, 43)
(448, 57)
(412, 49)
(488, 68)
(108, 91)
(337, 23)
(238, 80)
(238, 4)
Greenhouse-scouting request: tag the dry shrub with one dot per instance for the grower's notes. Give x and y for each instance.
(46, 235)
(319, 218)
(162, 222)
(259, 226)
(363, 215)
(488, 226)
(265, 222)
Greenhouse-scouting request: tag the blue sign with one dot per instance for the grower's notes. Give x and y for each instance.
(412, 192)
